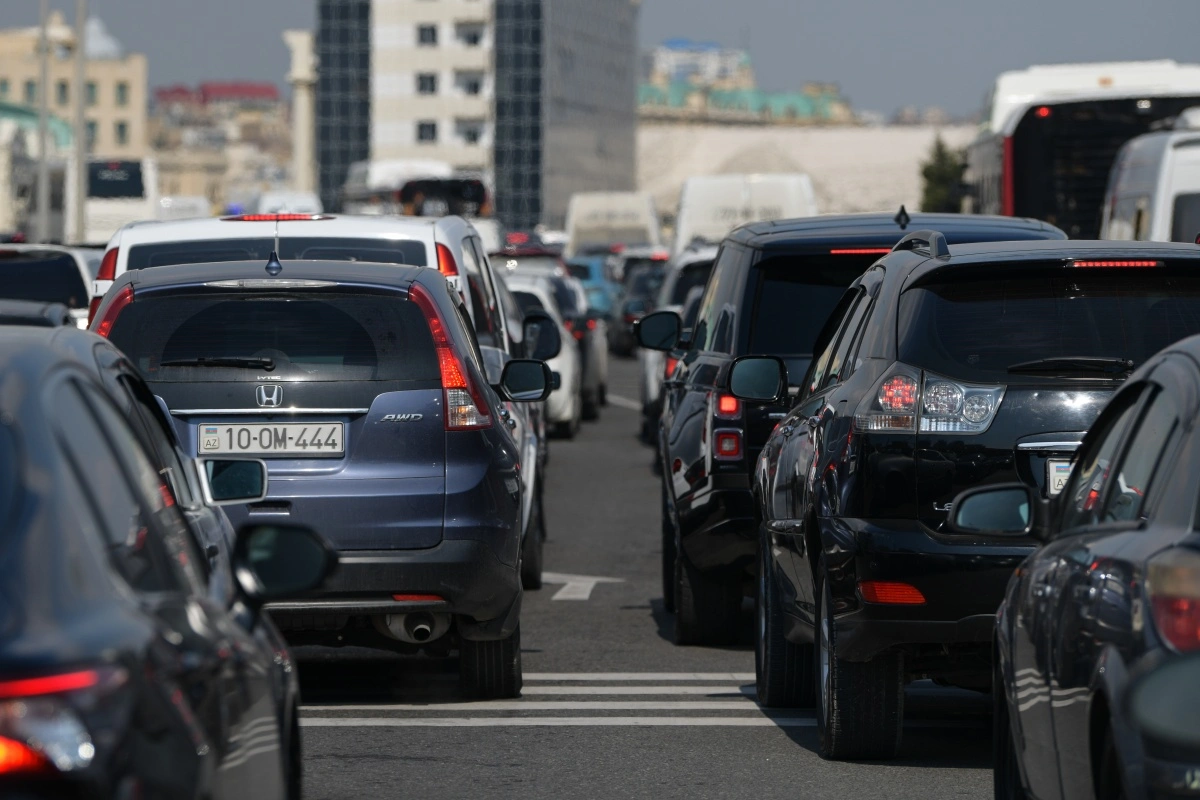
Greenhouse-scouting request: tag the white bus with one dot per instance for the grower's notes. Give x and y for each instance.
(710, 206)
(1050, 135)
(118, 192)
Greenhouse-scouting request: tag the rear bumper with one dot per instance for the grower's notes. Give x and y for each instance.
(483, 593)
(717, 530)
(962, 580)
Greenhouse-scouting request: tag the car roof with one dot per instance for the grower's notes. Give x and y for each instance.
(35, 313)
(396, 275)
(31, 352)
(883, 229)
(331, 225)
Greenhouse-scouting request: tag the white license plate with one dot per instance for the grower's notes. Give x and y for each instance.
(1058, 470)
(271, 439)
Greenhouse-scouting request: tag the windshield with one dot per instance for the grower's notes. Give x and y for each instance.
(978, 328)
(304, 336)
(115, 179)
(46, 276)
(384, 251)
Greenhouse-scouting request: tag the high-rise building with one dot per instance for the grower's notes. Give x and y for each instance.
(343, 92)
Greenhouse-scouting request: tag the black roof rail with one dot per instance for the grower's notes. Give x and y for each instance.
(933, 241)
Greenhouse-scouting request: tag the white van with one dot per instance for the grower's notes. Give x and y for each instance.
(1154, 189)
(288, 202)
(710, 206)
(598, 220)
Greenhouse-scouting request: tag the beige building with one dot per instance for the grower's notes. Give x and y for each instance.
(115, 83)
(431, 81)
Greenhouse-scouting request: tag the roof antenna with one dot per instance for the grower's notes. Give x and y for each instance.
(273, 265)
(902, 218)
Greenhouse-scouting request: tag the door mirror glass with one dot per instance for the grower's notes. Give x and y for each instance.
(1165, 703)
(230, 480)
(1001, 509)
(526, 381)
(542, 339)
(555, 381)
(762, 378)
(276, 562)
(658, 331)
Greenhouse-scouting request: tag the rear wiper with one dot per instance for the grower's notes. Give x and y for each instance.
(1100, 364)
(225, 361)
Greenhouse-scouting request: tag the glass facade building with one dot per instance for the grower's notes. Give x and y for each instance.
(343, 92)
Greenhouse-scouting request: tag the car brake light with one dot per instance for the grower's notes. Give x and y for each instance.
(108, 265)
(671, 363)
(50, 684)
(660, 255)
(578, 334)
(466, 408)
(1117, 263)
(16, 757)
(105, 324)
(275, 217)
(1173, 583)
(859, 251)
(591, 324)
(446, 263)
(728, 444)
(898, 393)
(418, 598)
(728, 407)
(893, 593)
(1043, 112)
(893, 406)
(93, 307)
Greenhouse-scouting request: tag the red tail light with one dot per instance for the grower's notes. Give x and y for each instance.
(275, 218)
(466, 408)
(893, 593)
(1173, 582)
(446, 263)
(108, 265)
(578, 334)
(670, 366)
(1008, 185)
(105, 324)
(727, 445)
(418, 598)
(1117, 263)
(660, 255)
(1043, 112)
(17, 758)
(49, 684)
(591, 324)
(93, 307)
(728, 407)
(899, 393)
(859, 251)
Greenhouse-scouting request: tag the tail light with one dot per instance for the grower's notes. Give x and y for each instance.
(669, 367)
(893, 407)
(592, 324)
(630, 318)
(105, 324)
(578, 334)
(466, 408)
(41, 730)
(907, 400)
(728, 407)
(727, 444)
(1117, 263)
(108, 273)
(275, 217)
(892, 593)
(1173, 583)
(445, 261)
(860, 251)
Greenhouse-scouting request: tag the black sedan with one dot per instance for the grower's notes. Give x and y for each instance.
(1114, 591)
(120, 676)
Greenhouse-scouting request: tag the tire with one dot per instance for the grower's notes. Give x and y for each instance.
(590, 411)
(860, 706)
(783, 670)
(491, 670)
(294, 765)
(603, 394)
(533, 548)
(568, 429)
(668, 555)
(707, 610)
(1006, 773)
(1109, 785)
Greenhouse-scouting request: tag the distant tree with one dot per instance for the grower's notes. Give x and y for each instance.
(942, 175)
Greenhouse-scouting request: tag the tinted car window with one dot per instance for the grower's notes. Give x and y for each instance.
(794, 297)
(1090, 476)
(581, 271)
(847, 337)
(690, 277)
(326, 337)
(1185, 218)
(570, 303)
(528, 302)
(644, 281)
(115, 179)
(294, 248)
(977, 328)
(9, 473)
(1142, 460)
(47, 277)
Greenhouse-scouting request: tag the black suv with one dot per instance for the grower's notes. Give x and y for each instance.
(941, 369)
(772, 288)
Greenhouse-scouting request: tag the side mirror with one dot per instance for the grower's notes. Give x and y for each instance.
(555, 381)
(226, 481)
(542, 339)
(526, 381)
(276, 562)
(658, 331)
(1164, 702)
(1008, 509)
(758, 378)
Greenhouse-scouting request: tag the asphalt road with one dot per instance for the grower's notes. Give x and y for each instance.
(611, 709)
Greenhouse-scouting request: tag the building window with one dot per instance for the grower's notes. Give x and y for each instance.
(91, 135)
(30, 92)
(427, 83)
(470, 83)
(427, 35)
(469, 130)
(3, 87)
(122, 131)
(426, 131)
(469, 33)
(62, 93)
(122, 93)
(91, 93)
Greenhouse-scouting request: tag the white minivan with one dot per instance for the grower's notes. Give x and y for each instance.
(710, 206)
(1154, 189)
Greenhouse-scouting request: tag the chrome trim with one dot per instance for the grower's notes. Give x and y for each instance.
(267, 411)
(1048, 445)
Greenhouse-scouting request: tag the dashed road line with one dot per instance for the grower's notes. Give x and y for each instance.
(623, 402)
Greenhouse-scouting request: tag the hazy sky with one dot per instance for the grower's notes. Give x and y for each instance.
(884, 53)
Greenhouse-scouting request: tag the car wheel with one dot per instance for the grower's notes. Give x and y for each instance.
(783, 670)
(603, 394)
(1109, 786)
(591, 407)
(860, 705)
(491, 670)
(668, 555)
(533, 548)
(1006, 773)
(708, 610)
(294, 766)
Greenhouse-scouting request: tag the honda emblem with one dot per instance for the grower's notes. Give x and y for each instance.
(269, 395)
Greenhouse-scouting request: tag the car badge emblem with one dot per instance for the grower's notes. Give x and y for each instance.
(269, 395)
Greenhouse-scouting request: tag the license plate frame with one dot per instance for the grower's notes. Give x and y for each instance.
(263, 439)
(1058, 472)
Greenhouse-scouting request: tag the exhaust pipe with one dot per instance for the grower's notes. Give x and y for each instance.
(419, 627)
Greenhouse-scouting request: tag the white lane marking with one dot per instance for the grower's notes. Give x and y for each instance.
(529, 722)
(624, 402)
(711, 691)
(636, 675)
(577, 587)
(732, 704)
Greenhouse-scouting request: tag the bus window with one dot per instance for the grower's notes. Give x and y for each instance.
(115, 179)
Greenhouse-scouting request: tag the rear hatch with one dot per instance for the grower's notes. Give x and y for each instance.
(1049, 343)
(338, 388)
(45, 276)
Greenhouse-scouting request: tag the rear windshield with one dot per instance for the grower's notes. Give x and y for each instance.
(528, 302)
(977, 328)
(47, 277)
(1185, 218)
(689, 278)
(567, 299)
(794, 297)
(644, 281)
(308, 336)
(115, 179)
(581, 271)
(383, 251)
